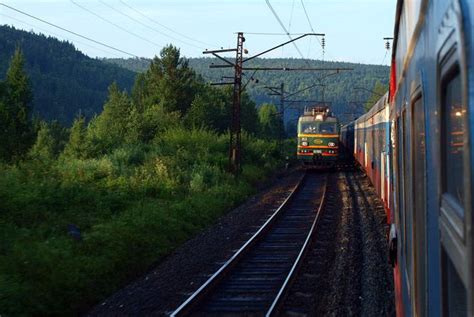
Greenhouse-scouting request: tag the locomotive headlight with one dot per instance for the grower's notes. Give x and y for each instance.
(332, 144)
(304, 143)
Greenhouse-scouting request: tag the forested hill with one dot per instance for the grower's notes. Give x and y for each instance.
(339, 89)
(65, 82)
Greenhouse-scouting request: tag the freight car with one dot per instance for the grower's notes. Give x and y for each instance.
(416, 146)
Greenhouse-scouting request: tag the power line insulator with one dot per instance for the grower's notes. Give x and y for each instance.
(387, 45)
(323, 42)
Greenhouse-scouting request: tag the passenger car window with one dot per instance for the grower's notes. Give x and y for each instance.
(453, 139)
(419, 219)
(455, 293)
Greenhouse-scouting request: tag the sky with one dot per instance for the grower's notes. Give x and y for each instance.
(354, 29)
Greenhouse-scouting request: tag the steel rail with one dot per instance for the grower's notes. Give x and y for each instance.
(273, 308)
(186, 305)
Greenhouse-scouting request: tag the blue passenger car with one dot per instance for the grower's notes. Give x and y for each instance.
(427, 139)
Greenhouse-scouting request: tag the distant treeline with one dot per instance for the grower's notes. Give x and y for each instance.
(65, 82)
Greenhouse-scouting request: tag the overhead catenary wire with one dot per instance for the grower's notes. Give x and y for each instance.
(284, 28)
(116, 25)
(58, 35)
(69, 31)
(270, 33)
(291, 15)
(289, 27)
(385, 56)
(164, 26)
(309, 21)
(147, 26)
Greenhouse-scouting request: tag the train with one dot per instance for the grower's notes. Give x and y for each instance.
(415, 145)
(318, 137)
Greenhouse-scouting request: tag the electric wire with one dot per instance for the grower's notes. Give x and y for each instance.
(284, 28)
(291, 15)
(58, 35)
(164, 26)
(264, 33)
(69, 31)
(385, 56)
(309, 20)
(147, 26)
(116, 25)
(311, 26)
(289, 27)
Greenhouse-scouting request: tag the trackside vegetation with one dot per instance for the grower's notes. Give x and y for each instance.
(87, 208)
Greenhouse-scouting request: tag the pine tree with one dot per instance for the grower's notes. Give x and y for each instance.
(17, 134)
(43, 149)
(76, 146)
(169, 82)
(4, 124)
(109, 129)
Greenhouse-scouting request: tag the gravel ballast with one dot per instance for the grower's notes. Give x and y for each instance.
(345, 274)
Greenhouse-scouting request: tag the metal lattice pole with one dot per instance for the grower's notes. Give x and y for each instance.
(235, 131)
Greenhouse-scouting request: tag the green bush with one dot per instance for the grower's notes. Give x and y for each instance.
(133, 206)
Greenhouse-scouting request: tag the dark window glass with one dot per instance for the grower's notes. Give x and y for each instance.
(454, 292)
(318, 127)
(408, 208)
(419, 155)
(454, 131)
(309, 127)
(327, 128)
(401, 184)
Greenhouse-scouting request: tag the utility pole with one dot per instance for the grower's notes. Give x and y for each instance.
(280, 91)
(282, 100)
(235, 131)
(235, 128)
(282, 116)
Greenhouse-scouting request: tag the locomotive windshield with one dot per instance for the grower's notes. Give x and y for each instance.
(318, 127)
(327, 127)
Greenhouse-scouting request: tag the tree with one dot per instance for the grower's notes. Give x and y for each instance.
(139, 92)
(249, 115)
(377, 92)
(4, 124)
(270, 121)
(109, 129)
(155, 119)
(76, 146)
(210, 108)
(43, 149)
(16, 96)
(169, 82)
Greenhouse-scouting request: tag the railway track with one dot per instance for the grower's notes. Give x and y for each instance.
(255, 279)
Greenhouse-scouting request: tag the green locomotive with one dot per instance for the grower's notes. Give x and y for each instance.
(318, 137)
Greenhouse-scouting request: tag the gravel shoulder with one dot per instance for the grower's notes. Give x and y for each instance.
(167, 285)
(361, 280)
(346, 271)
